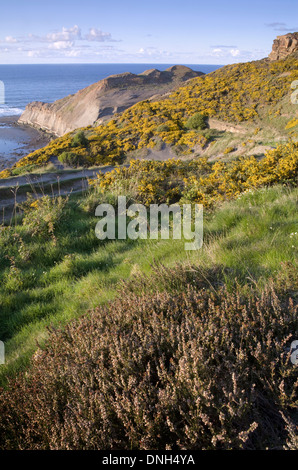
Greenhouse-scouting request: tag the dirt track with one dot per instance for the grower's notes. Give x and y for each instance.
(14, 190)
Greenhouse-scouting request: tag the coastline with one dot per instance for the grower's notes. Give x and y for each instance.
(17, 140)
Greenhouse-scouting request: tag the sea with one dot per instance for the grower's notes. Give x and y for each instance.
(48, 82)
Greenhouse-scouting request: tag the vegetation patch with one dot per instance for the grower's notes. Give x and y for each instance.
(197, 369)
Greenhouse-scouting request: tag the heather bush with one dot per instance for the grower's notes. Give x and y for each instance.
(194, 369)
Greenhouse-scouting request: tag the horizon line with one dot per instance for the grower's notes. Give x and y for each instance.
(114, 63)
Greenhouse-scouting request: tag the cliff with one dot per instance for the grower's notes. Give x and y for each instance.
(101, 100)
(284, 46)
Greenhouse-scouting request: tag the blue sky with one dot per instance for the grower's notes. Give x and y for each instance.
(156, 31)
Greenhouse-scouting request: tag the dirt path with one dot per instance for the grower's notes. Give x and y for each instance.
(14, 190)
(227, 127)
(48, 178)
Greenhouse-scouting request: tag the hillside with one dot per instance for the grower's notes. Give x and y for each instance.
(248, 106)
(243, 284)
(100, 101)
(52, 266)
(137, 344)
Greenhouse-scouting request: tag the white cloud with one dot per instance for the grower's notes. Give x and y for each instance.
(217, 52)
(153, 52)
(11, 39)
(35, 53)
(221, 46)
(98, 35)
(235, 52)
(67, 42)
(73, 53)
(61, 45)
(226, 53)
(67, 34)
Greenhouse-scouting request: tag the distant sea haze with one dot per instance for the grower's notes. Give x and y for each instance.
(27, 83)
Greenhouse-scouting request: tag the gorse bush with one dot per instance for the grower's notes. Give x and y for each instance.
(200, 180)
(229, 150)
(191, 369)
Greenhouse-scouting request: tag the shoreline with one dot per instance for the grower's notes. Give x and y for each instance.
(18, 140)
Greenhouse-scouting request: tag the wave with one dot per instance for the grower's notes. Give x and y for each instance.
(7, 111)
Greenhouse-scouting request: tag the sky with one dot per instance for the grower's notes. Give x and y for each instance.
(151, 31)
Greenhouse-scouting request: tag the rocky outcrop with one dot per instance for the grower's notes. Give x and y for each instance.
(284, 46)
(103, 99)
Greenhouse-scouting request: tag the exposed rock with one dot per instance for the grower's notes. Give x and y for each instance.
(101, 100)
(284, 46)
(226, 127)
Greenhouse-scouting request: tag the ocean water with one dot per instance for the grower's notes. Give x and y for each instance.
(26, 83)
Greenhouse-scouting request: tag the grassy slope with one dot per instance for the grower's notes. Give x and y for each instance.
(56, 282)
(47, 283)
(50, 279)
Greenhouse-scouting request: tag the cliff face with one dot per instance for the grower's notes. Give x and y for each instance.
(100, 101)
(284, 46)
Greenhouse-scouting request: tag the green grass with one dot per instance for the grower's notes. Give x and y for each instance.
(56, 282)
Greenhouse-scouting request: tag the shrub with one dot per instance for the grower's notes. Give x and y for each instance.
(200, 180)
(71, 159)
(197, 121)
(16, 280)
(229, 150)
(5, 174)
(292, 123)
(79, 140)
(187, 370)
(162, 128)
(41, 216)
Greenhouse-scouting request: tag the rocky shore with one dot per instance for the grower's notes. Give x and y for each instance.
(17, 140)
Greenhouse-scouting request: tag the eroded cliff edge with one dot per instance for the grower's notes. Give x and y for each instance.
(100, 101)
(284, 46)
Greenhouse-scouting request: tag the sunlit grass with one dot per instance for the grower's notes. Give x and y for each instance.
(249, 238)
